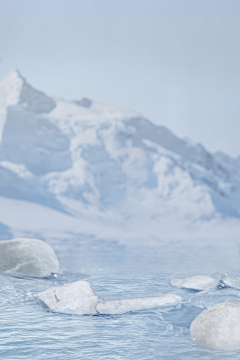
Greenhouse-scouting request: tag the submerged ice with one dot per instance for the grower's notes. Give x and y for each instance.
(80, 299)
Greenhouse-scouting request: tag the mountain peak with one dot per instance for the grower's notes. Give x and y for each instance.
(16, 90)
(10, 88)
(15, 73)
(14, 78)
(94, 155)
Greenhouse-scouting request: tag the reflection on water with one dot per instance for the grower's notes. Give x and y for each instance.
(116, 270)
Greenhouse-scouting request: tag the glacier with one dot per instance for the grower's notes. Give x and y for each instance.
(86, 156)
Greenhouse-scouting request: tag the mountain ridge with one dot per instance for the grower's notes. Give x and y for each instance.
(86, 155)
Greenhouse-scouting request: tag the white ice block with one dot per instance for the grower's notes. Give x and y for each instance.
(121, 306)
(218, 327)
(198, 282)
(28, 257)
(79, 298)
(232, 282)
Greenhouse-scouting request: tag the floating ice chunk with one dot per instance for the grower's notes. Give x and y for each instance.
(231, 282)
(121, 306)
(74, 298)
(28, 257)
(79, 298)
(218, 327)
(198, 282)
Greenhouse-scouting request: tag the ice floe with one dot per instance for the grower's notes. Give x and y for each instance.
(231, 282)
(28, 257)
(79, 298)
(218, 327)
(198, 282)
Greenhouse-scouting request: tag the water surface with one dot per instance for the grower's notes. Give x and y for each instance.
(116, 270)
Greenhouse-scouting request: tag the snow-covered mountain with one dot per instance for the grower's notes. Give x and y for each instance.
(89, 157)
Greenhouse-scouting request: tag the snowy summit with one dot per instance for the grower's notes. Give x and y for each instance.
(85, 155)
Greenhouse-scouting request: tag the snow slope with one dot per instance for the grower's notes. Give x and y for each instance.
(99, 161)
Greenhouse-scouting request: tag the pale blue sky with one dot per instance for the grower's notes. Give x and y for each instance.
(177, 62)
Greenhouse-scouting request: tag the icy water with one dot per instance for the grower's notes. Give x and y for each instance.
(116, 270)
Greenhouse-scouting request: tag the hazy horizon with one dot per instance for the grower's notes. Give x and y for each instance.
(180, 71)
